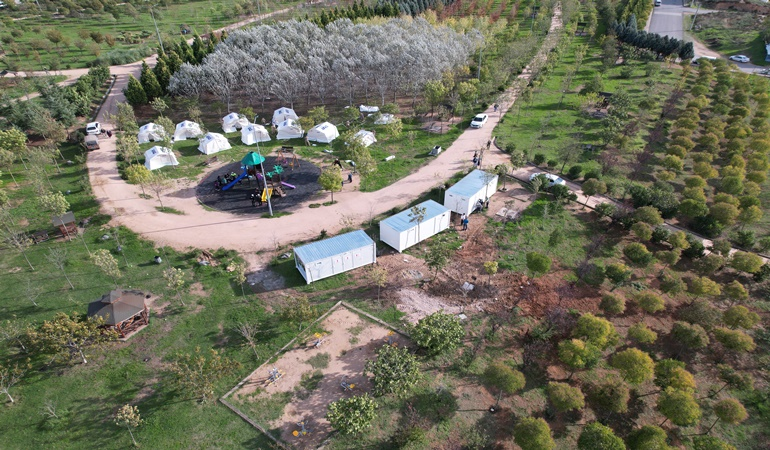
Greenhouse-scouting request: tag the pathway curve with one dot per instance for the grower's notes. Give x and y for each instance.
(210, 229)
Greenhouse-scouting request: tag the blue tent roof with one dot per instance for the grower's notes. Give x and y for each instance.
(403, 220)
(470, 185)
(332, 246)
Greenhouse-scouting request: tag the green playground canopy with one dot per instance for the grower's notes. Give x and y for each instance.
(252, 159)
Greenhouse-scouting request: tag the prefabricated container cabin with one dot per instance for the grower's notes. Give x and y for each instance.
(406, 229)
(335, 255)
(464, 196)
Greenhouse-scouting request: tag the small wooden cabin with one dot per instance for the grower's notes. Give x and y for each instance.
(125, 311)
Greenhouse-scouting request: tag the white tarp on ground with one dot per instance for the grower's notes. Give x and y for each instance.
(213, 143)
(323, 132)
(384, 119)
(158, 157)
(282, 114)
(365, 137)
(187, 130)
(369, 109)
(289, 129)
(150, 132)
(253, 133)
(233, 122)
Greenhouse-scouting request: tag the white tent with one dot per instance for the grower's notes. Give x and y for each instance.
(253, 133)
(365, 137)
(323, 132)
(187, 130)
(213, 143)
(465, 195)
(369, 109)
(402, 230)
(233, 122)
(150, 132)
(384, 119)
(282, 114)
(289, 129)
(158, 157)
(335, 255)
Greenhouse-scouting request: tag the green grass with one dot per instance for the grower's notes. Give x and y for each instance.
(731, 33)
(169, 210)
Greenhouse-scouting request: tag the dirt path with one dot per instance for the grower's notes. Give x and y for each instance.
(201, 228)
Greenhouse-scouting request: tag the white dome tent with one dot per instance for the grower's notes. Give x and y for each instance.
(323, 132)
(365, 137)
(158, 157)
(253, 133)
(234, 122)
(384, 119)
(213, 143)
(289, 129)
(187, 130)
(150, 132)
(368, 109)
(282, 114)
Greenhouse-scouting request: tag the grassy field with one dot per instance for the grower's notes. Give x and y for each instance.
(731, 33)
(134, 35)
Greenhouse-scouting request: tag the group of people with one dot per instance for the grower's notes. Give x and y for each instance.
(223, 180)
(476, 159)
(256, 197)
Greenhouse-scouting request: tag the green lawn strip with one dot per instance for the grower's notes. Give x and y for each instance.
(731, 33)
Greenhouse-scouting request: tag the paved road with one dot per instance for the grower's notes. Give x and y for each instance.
(667, 20)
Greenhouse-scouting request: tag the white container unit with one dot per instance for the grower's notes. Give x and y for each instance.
(464, 196)
(335, 255)
(403, 230)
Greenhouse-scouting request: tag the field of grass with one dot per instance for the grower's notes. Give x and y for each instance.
(134, 35)
(731, 33)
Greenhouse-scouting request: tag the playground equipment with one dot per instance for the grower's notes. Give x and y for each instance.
(284, 160)
(266, 193)
(303, 430)
(345, 385)
(391, 339)
(237, 179)
(319, 340)
(274, 375)
(290, 186)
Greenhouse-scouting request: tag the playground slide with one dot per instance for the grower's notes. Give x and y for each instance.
(232, 183)
(290, 186)
(266, 192)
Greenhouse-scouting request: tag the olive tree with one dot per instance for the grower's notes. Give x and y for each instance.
(395, 370)
(352, 415)
(438, 333)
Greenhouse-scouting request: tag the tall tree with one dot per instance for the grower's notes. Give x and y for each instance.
(331, 180)
(129, 417)
(57, 256)
(69, 336)
(134, 92)
(395, 370)
(150, 83)
(195, 373)
(107, 263)
(438, 333)
(533, 434)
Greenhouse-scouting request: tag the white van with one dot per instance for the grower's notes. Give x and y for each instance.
(657, 2)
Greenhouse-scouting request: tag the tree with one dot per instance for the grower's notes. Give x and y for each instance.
(638, 254)
(69, 336)
(593, 187)
(597, 436)
(55, 203)
(107, 263)
(14, 140)
(745, 262)
(670, 373)
(502, 171)
(331, 180)
(129, 417)
(639, 332)
(690, 336)
(635, 366)
(58, 258)
(612, 304)
(504, 378)
(438, 333)
(642, 231)
(595, 330)
(649, 437)
(10, 376)
(610, 395)
(577, 354)
(729, 410)
(395, 371)
(617, 273)
(710, 443)
(249, 332)
(735, 291)
(649, 215)
(740, 316)
(134, 92)
(703, 286)
(735, 340)
(150, 83)
(417, 215)
(195, 373)
(158, 184)
(298, 311)
(352, 415)
(490, 267)
(378, 276)
(239, 275)
(437, 258)
(565, 397)
(750, 215)
(174, 277)
(668, 258)
(17, 239)
(724, 213)
(741, 381)
(650, 301)
(318, 114)
(138, 174)
(538, 263)
(533, 434)
(710, 264)
(679, 407)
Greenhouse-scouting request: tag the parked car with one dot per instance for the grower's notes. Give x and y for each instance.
(552, 179)
(740, 58)
(696, 61)
(91, 142)
(94, 128)
(479, 120)
(657, 2)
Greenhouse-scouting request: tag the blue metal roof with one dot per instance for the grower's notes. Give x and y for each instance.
(403, 220)
(470, 185)
(332, 246)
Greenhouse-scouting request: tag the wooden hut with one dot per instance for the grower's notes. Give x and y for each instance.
(125, 311)
(66, 224)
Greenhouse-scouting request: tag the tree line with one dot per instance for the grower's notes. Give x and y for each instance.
(661, 46)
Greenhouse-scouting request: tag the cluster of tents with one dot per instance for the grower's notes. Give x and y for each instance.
(285, 121)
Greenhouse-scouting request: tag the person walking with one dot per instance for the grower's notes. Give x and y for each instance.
(350, 177)
(465, 224)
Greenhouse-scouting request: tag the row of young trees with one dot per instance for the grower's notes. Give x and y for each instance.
(661, 46)
(299, 60)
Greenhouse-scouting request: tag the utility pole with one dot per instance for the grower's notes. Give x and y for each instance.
(160, 42)
(692, 24)
(264, 180)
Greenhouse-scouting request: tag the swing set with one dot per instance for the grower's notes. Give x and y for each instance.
(284, 160)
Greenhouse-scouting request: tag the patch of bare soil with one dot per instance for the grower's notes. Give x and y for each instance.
(198, 290)
(350, 343)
